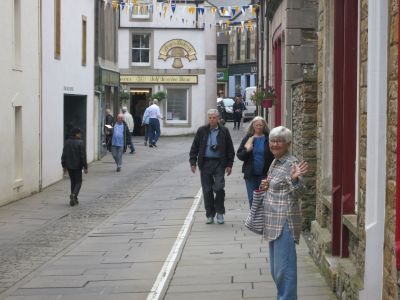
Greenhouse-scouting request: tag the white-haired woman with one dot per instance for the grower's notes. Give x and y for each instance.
(284, 186)
(256, 156)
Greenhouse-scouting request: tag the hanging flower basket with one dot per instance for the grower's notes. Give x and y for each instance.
(267, 103)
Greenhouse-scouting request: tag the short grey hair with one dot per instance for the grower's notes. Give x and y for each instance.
(281, 132)
(213, 111)
(250, 129)
(155, 101)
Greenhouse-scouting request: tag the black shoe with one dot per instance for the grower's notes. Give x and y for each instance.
(154, 145)
(76, 200)
(118, 169)
(71, 200)
(151, 145)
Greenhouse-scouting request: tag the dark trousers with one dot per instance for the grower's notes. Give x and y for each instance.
(76, 181)
(213, 181)
(146, 132)
(236, 119)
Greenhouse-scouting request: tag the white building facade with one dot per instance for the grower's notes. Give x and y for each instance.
(169, 49)
(20, 100)
(68, 80)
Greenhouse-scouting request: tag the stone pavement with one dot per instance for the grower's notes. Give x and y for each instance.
(115, 243)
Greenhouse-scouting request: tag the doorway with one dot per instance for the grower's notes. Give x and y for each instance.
(139, 103)
(74, 114)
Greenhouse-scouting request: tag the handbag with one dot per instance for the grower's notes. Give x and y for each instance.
(255, 219)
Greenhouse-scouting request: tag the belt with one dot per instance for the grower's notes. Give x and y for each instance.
(212, 158)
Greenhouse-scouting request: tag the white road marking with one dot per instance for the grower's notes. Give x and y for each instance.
(169, 263)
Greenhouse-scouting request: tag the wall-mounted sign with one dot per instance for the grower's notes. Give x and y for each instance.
(68, 88)
(177, 49)
(191, 79)
(222, 75)
(110, 78)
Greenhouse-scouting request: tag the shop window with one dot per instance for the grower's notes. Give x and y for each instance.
(140, 49)
(141, 9)
(177, 106)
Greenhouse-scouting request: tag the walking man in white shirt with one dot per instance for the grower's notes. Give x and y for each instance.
(154, 123)
(129, 121)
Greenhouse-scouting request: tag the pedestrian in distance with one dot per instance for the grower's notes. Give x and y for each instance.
(154, 123)
(73, 160)
(237, 108)
(108, 125)
(145, 123)
(284, 187)
(256, 156)
(131, 126)
(212, 151)
(119, 140)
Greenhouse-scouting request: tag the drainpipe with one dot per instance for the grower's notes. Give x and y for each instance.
(40, 95)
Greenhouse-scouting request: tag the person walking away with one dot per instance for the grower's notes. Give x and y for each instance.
(73, 160)
(145, 123)
(256, 156)
(212, 150)
(284, 187)
(108, 124)
(237, 108)
(119, 140)
(129, 122)
(154, 123)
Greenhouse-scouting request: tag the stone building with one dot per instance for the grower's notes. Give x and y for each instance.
(344, 116)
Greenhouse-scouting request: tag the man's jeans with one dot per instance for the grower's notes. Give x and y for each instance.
(154, 134)
(283, 263)
(131, 145)
(213, 181)
(116, 152)
(252, 183)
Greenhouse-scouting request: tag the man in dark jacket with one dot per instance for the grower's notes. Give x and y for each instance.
(212, 150)
(119, 140)
(73, 160)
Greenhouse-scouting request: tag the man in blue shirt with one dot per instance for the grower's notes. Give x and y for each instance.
(212, 150)
(119, 140)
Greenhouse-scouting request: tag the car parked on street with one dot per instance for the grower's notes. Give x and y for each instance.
(225, 108)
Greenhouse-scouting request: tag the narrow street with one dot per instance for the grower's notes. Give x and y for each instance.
(115, 243)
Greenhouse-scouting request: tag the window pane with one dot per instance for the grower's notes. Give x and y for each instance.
(177, 105)
(135, 55)
(145, 41)
(135, 41)
(144, 55)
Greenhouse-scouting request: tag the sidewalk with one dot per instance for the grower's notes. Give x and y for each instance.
(230, 262)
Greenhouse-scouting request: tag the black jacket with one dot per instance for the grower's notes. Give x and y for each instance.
(247, 157)
(74, 155)
(224, 142)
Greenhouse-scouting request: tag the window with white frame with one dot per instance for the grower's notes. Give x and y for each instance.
(141, 9)
(140, 49)
(177, 106)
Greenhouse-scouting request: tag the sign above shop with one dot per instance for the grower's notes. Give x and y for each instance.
(178, 79)
(177, 49)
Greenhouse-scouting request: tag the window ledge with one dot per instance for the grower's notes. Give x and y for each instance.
(350, 221)
(327, 201)
(18, 183)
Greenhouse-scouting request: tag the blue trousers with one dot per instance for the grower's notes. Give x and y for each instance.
(252, 183)
(154, 134)
(117, 152)
(283, 264)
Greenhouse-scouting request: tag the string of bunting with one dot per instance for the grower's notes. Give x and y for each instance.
(143, 7)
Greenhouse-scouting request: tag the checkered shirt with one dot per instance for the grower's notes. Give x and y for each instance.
(281, 201)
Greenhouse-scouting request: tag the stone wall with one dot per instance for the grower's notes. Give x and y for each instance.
(304, 120)
(390, 277)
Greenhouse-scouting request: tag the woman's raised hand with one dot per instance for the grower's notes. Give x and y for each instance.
(299, 169)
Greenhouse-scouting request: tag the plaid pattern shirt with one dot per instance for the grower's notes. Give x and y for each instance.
(281, 201)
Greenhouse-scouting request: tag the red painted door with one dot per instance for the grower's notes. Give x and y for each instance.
(278, 80)
(398, 159)
(344, 120)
